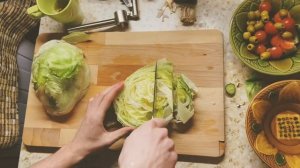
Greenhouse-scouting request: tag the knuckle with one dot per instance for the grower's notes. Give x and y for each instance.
(171, 143)
(174, 156)
(164, 132)
(152, 123)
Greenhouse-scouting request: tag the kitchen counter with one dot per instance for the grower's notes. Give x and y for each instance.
(210, 15)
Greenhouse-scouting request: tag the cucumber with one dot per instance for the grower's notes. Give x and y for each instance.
(230, 89)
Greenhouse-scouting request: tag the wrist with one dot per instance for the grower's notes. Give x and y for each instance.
(75, 152)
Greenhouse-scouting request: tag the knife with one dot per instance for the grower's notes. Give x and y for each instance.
(154, 90)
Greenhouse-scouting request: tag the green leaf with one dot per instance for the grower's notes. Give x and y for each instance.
(253, 86)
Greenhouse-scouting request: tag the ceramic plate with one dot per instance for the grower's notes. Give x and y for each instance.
(273, 110)
(285, 66)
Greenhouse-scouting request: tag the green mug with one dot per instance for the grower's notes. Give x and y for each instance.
(64, 11)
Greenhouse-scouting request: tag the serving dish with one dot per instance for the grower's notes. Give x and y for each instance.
(286, 66)
(273, 124)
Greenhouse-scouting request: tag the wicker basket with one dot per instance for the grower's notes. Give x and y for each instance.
(14, 24)
(263, 95)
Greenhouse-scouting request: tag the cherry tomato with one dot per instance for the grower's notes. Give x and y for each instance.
(276, 41)
(260, 49)
(265, 6)
(276, 52)
(287, 46)
(289, 24)
(261, 36)
(270, 28)
(278, 19)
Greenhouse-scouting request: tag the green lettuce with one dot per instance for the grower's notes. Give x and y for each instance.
(60, 76)
(171, 97)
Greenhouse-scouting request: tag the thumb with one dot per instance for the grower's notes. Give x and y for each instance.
(118, 134)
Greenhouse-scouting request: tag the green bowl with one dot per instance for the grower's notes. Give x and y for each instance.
(284, 66)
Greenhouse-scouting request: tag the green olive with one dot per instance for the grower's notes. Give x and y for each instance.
(283, 13)
(265, 18)
(259, 25)
(287, 35)
(257, 14)
(251, 15)
(250, 28)
(253, 40)
(279, 26)
(252, 22)
(264, 13)
(246, 35)
(265, 55)
(250, 47)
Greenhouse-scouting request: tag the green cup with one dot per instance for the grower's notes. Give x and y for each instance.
(64, 11)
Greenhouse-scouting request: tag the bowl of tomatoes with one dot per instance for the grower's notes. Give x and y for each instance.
(265, 34)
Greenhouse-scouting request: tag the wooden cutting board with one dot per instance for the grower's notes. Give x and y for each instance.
(114, 56)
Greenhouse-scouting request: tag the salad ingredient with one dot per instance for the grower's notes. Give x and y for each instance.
(261, 36)
(271, 35)
(261, 49)
(155, 92)
(230, 89)
(60, 76)
(276, 52)
(265, 6)
(265, 55)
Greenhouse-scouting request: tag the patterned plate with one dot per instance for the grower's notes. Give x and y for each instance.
(285, 66)
(270, 101)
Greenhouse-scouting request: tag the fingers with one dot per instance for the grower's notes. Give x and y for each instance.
(96, 102)
(110, 95)
(116, 135)
(158, 122)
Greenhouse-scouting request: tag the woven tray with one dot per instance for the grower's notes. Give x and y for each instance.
(14, 24)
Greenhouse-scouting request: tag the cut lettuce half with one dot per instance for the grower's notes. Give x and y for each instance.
(173, 97)
(163, 107)
(134, 105)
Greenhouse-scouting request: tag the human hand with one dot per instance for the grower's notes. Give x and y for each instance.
(92, 134)
(149, 146)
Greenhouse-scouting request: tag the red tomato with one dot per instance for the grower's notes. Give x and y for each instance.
(270, 28)
(260, 49)
(276, 52)
(265, 6)
(289, 24)
(276, 41)
(277, 18)
(287, 46)
(261, 36)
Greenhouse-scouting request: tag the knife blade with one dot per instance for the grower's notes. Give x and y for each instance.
(154, 90)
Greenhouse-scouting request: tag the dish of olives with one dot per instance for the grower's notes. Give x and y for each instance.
(271, 37)
(264, 35)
